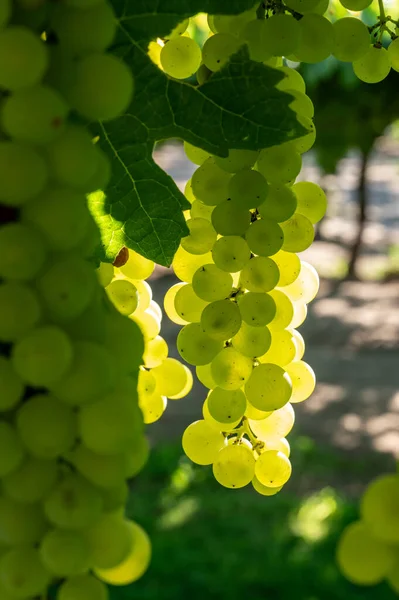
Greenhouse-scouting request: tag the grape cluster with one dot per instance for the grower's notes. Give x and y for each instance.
(160, 377)
(368, 550)
(71, 429)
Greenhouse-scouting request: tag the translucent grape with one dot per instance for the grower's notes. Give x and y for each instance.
(204, 374)
(317, 38)
(180, 57)
(178, 30)
(264, 237)
(300, 313)
(281, 445)
(22, 251)
(282, 349)
(195, 346)
(123, 295)
(11, 385)
(171, 377)
(231, 253)
(281, 35)
(237, 160)
(303, 380)
(169, 304)
(20, 310)
(31, 481)
(352, 39)
(355, 5)
(185, 265)
(12, 449)
(273, 468)
(378, 508)
(217, 425)
(298, 233)
(218, 49)
(226, 406)
(229, 218)
(230, 369)
(221, 319)
(289, 266)
(83, 587)
(292, 80)
(23, 574)
(257, 309)
(393, 52)
(301, 104)
(65, 553)
(257, 415)
(299, 343)
(189, 381)
(264, 490)
(303, 6)
(279, 164)
(373, 66)
(311, 200)
(202, 443)
(305, 142)
(211, 283)
(201, 238)
(280, 203)
(234, 466)
(269, 387)
(20, 523)
(199, 210)
(188, 305)
(210, 183)
(275, 426)
(23, 58)
(260, 274)
(110, 541)
(248, 188)
(73, 503)
(137, 266)
(252, 341)
(284, 310)
(306, 285)
(149, 325)
(15, 159)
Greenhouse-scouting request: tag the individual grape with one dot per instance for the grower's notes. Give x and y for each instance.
(281, 35)
(35, 115)
(101, 471)
(123, 295)
(81, 31)
(289, 266)
(237, 160)
(253, 35)
(230, 369)
(378, 508)
(317, 38)
(83, 587)
(33, 480)
(185, 265)
(20, 310)
(221, 319)
(264, 490)
(23, 58)
(305, 142)
(109, 540)
(257, 309)
(260, 274)
(303, 6)
(202, 443)
(188, 305)
(229, 218)
(393, 53)
(187, 386)
(300, 313)
(210, 183)
(169, 304)
(311, 200)
(204, 374)
(306, 285)
(22, 573)
(211, 283)
(284, 310)
(180, 57)
(248, 188)
(124, 341)
(279, 164)
(11, 448)
(73, 503)
(252, 341)
(273, 468)
(280, 203)
(303, 380)
(352, 39)
(299, 343)
(355, 5)
(188, 191)
(11, 386)
(292, 80)
(257, 415)
(65, 553)
(264, 237)
(298, 233)
(199, 210)
(301, 104)
(362, 558)
(16, 158)
(281, 445)
(137, 266)
(234, 466)
(146, 383)
(102, 87)
(231, 253)
(201, 238)
(373, 66)
(275, 426)
(60, 215)
(231, 24)
(171, 377)
(22, 251)
(282, 349)
(218, 49)
(20, 523)
(149, 325)
(194, 154)
(226, 406)
(217, 425)
(195, 346)
(269, 387)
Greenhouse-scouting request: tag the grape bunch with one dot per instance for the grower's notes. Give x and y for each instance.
(71, 429)
(368, 550)
(160, 377)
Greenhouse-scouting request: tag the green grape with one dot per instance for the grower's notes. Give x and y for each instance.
(303, 6)
(47, 427)
(199, 210)
(281, 445)
(393, 53)
(221, 319)
(306, 285)
(110, 541)
(378, 508)
(280, 203)
(188, 305)
(299, 343)
(61, 215)
(281, 35)
(275, 426)
(22, 251)
(289, 266)
(305, 142)
(20, 310)
(298, 233)
(273, 468)
(11, 386)
(189, 380)
(248, 188)
(35, 115)
(218, 49)
(210, 183)
(260, 274)
(282, 349)
(231, 253)
(83, 587)
(195, 154)
(20, 523)
(169, 303)
(178, 30)
(73, 503)
(135, 459)
(81, 31)
(265, 490)
(356, 5)
(124, 341)
(230, 369)
(211, 283)
(269, 387)
(23, 58)
(264, 237)
(15, 159)
(301, 104)
(253, 34)
(102, 87)
(311, 200)
(32, 481)
(146, 383)
(257, 415)
(226, 406)
(284, 310)
(217, 425)
(201, 442)
(234, 466)
(201, 238)
(279, 164)
(317, 38)
(188, 192)
(123, 295)
(229, 218)
(144, 291)
(252, 341)
(195, 346)
(231, 24)
(352, 39)
(185, 265)
(373, 66)
(303, 380)
(237, 160)
(362, 558)
(204, 375)
(257, 309)
(292, 80)
(12, 451)
(65, 553)
(137, 266)
(180, 57)
(300, 314)
(155, 352)
(171, 377)
(101, 471)
(22, 573)
(149, 325)
(203, 74)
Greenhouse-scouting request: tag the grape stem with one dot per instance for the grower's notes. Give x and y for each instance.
(382, 11)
